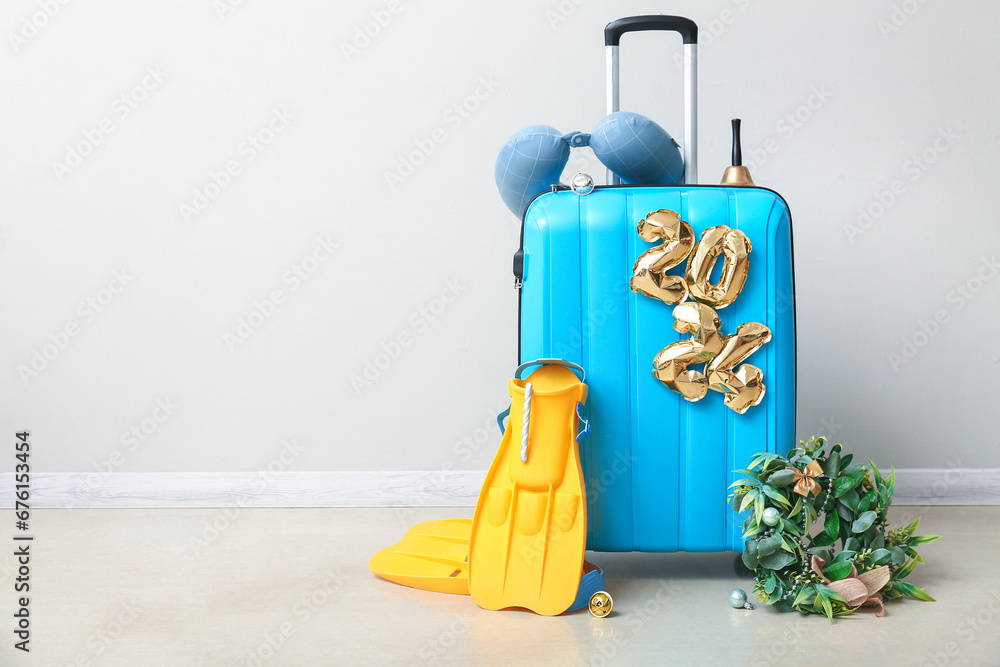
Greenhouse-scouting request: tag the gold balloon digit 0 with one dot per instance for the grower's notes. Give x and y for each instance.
(743, 387)
(649, 274)
(733, 247)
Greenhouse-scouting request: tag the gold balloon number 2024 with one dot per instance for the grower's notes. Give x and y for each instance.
(742, 387)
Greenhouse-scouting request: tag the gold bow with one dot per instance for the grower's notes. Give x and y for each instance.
(804, 482)
(860, 590)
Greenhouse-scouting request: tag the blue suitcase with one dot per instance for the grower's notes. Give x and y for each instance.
(657, 467)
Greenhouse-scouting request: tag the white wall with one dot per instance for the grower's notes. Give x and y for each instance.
(344, 122)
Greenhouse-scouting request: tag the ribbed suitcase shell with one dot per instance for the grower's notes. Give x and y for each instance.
(657, 467)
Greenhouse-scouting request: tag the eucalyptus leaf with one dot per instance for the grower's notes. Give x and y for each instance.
(791, 527)
(864, 522)
(750, 559)
(852, 544)
(856, 471)
(772, 465)
(781, 478)
(768, 545)
(770, 583)
(880, 557)
(850, 499)
(844, 555)
(800, 461)
(878, 542)
(777, 560)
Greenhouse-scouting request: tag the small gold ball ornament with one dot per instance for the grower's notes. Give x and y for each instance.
(601, 604)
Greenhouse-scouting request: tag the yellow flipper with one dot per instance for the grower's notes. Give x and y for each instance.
(529, 531)
(432, 556)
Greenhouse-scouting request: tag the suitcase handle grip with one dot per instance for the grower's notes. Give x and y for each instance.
(686, 27)
(689, 32)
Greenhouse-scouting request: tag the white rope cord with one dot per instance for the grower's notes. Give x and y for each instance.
(524, 427)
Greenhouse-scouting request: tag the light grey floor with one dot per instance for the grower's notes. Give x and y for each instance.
(292, 587)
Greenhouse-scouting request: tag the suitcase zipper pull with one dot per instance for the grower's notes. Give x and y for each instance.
(518, 268)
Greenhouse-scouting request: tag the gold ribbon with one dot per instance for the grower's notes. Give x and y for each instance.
(804, 482)
(860, 590)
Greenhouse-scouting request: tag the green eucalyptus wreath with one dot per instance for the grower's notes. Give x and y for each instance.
(849, 502)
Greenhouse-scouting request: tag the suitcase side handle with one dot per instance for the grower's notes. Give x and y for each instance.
(689, 32)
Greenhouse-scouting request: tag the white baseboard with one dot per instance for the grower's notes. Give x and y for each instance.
(250, 489)
(456, 488)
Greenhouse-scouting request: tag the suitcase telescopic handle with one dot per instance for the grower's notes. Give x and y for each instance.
(689, 33)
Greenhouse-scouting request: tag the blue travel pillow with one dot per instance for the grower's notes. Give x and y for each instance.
(633, 147)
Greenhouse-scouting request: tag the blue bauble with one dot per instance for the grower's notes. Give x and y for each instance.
(738, 598)
(771, 516)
